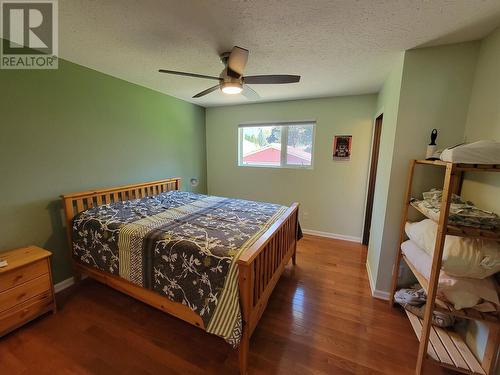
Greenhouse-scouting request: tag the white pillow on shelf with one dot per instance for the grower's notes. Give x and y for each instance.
(461, 292)
(462, 256)
(480, 152)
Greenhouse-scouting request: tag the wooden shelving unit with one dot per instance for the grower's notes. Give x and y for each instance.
(444, 346)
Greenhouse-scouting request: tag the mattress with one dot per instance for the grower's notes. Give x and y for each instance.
(181, 245)
(481, 152)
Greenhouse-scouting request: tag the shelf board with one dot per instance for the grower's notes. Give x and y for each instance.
(448, 308)
(462, 230)
(462, 167)
(447, 348)
(439, 163)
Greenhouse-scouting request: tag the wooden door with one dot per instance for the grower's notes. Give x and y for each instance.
(372, 179)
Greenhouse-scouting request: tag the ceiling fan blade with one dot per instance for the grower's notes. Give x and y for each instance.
(207, 91)
(271, 79)
(189, 74)
(237, 61)
(250, 93)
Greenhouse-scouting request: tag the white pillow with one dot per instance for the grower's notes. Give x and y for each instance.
(461, 292)
(480, 152)
(462, 257)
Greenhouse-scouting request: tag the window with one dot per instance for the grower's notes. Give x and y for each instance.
(285, 145)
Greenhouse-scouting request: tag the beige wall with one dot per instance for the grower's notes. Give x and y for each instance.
(332, 194)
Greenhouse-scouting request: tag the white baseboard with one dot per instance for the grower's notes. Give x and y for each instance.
(64, 284)
(380, 294)
(331, 235)
(370, 280)
(59, 287)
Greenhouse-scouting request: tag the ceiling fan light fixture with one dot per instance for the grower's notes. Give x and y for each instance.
(231, 80)
(231, 88)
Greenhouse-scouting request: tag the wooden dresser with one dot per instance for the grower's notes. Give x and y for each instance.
(26, 289)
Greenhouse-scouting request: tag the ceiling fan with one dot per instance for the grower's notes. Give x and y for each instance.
(232, 81)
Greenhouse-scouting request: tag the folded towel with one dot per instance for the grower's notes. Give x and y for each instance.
(410, 296)
(413, 299)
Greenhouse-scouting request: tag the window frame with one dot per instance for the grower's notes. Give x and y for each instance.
(284, 140)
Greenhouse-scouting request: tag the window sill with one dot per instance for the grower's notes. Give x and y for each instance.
(309, 167)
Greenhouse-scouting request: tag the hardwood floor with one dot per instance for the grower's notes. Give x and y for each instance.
(321, 319)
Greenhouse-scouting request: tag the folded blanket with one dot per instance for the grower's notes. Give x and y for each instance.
(461, 212)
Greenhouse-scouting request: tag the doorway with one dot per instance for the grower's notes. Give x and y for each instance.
(377, 132)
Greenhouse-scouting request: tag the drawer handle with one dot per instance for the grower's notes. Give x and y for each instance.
(18, 277)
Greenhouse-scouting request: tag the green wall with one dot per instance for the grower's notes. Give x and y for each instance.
(332, 194)
(74, 129)
(483, 122)
(387, 104)
(456, 89)
(435, 92)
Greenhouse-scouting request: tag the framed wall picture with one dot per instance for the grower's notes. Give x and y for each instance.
(342, 147)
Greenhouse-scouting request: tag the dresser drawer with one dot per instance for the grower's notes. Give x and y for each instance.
(24, 312)
(23, 292)
(21, 275)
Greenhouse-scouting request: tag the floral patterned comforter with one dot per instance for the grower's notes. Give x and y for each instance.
(179, 244)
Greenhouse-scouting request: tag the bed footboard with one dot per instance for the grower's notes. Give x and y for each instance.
(260, 268)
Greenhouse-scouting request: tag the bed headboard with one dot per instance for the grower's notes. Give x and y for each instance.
(77, 202)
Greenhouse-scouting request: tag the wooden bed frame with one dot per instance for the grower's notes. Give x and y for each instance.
(260, 266)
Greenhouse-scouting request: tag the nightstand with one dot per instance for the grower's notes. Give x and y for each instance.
(26, 289)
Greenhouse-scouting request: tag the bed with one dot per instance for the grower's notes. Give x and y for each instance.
(210, 261)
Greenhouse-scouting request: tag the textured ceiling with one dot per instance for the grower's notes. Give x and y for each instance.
(338, 47)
